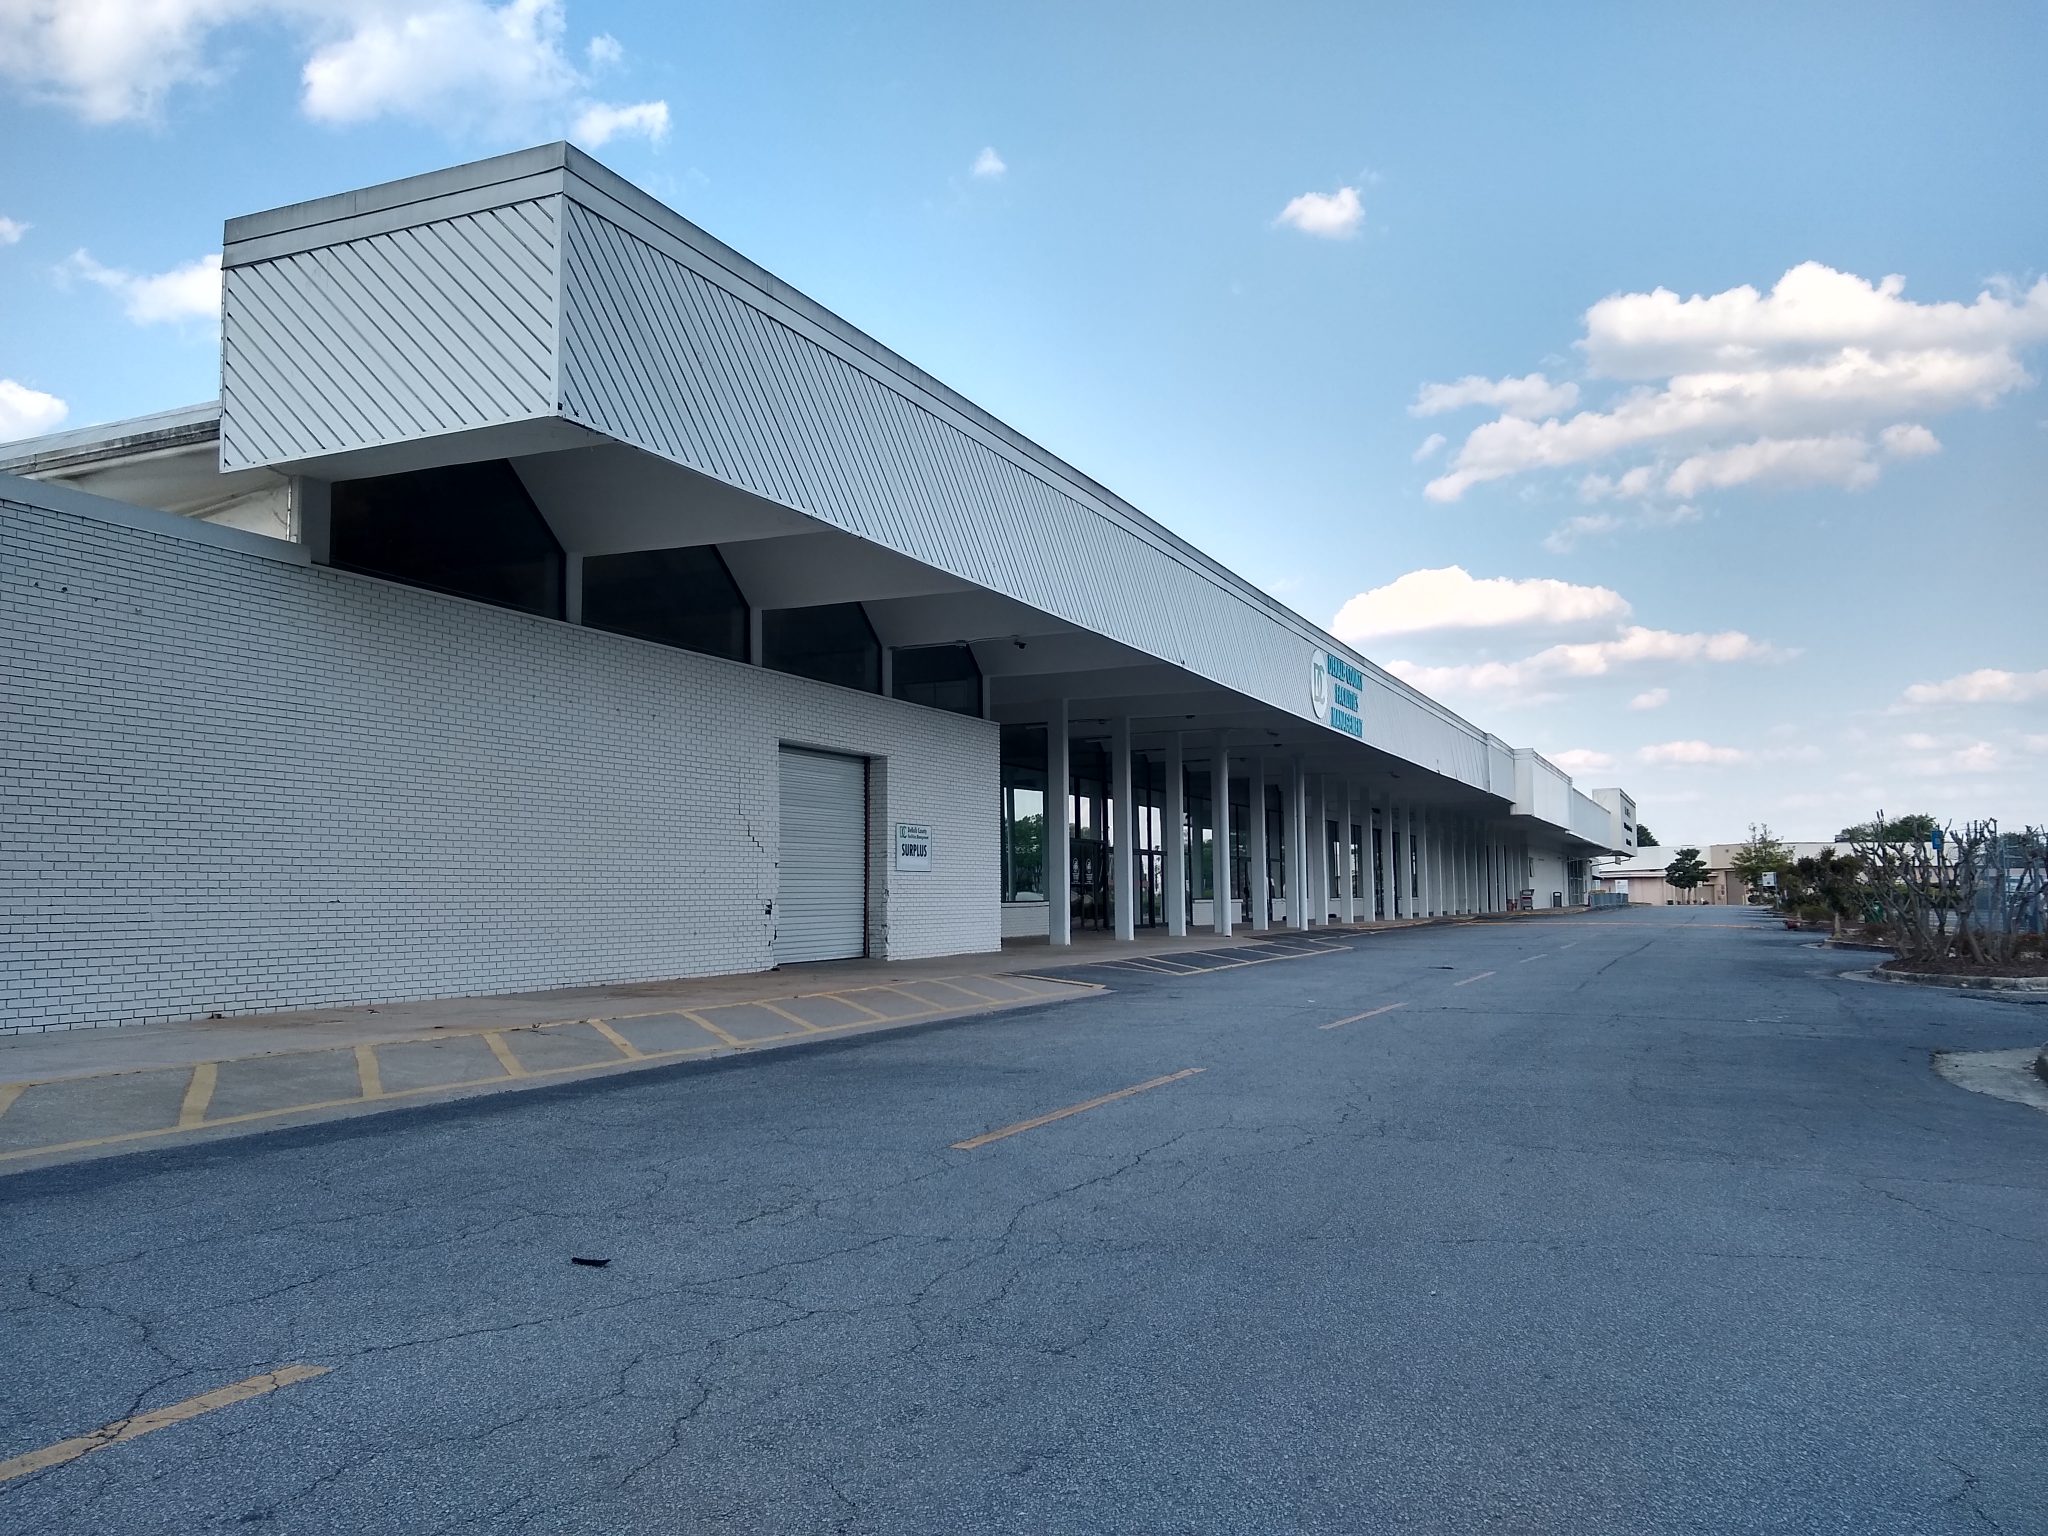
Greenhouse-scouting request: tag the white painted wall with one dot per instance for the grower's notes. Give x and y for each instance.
(234, 783)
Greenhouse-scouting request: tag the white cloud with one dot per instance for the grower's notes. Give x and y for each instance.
(11, 231)
(465, 66)
(2035, 743)
(1580, 760)
(1530, 396)
(1821, 362)
(598, 124)
(1977, 757)
(988, 165)
(26, 412)
(1651, 698)
(1451, 598)
(1697, 753)
(1564, 538)
(1428, 447)
(1908, 440)
(1594, 658)
(1842, 459)
(1331, 215)
(1987, 685)
(189, 292)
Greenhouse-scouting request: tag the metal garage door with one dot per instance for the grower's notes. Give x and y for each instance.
(821, 899)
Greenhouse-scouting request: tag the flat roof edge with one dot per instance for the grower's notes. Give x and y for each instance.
(406, 190)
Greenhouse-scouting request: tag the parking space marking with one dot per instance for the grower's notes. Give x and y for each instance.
(138, 1425)
(1527, 958)
(626, 1048)
(513, 1066)
(712, 1029)
(1370, 1013)
(841, 997)
(198, 1094)
(968, 991)
(1470, 979)
(783, 1013)
(1022, 1126)
(370, 1074)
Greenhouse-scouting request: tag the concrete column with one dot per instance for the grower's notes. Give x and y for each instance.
(755, 649)
(1123, 834)
(572, 588)
(1219, 797)
(1176, 835)
(1393, 856)
(1428, 837)
(1371, 873)
(1291, 859)
(1347, 878)
(1255, 846)
(312, 504)
(1059, 859)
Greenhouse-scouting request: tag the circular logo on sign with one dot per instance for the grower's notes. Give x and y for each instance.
(1319, 685)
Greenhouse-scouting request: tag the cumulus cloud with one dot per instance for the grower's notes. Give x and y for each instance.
(988, 165)
(1977, 757)
(26, 412)
(1450, 597)
(1986, 685)
(1781, 388)
(1698, 753)
(11, 231)
(599, 124)
(1330, 215)
(1594, 658)
(188, 292)
(1532, 395)
(1565, 537)
(1580, 760)
(1428, 447)
(1651, 698)
(464, 66)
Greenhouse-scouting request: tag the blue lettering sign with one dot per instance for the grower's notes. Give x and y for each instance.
(1348, 723)
(1345, 698)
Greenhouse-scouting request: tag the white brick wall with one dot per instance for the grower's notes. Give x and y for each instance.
(231, 783)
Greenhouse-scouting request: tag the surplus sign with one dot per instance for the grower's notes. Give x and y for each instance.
(913, 846)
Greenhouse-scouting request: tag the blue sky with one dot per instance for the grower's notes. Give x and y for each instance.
(1770, 555)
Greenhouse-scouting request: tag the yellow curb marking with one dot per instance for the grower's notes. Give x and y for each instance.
(513, 1066)
(710, 1028)
(198, 1094)
(368, 1073)
(9, 1092)
(784, 1013)
(1073, 1109)
(1370, 1013)
(157, 1418)
(1470, 979)
(626, 1048)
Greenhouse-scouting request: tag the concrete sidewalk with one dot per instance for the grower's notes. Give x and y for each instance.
(77, 1093)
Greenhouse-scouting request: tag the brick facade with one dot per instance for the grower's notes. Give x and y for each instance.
(233, 782)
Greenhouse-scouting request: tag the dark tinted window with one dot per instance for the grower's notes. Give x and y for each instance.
(680, 597)
(942, 676)
(469, 529)
(832, 643)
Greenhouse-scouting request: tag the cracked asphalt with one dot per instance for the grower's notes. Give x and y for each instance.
(1658, 1228)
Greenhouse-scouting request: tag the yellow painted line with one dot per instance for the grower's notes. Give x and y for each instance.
(924, 1004)
(9, 1092)
(368, 1073)
(1370, 1013)
(1057, 981)
(1074, 1109)
(625, 1047)
(842, 997)
(141, 1424)
(709, 1028)
(1470, 979)
(969, 991)
(513, 1066)
(784, 1013)
(198, 1094)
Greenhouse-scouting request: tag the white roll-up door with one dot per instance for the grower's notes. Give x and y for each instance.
(821, 899)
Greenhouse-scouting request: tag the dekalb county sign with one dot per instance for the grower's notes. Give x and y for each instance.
(1334, 689)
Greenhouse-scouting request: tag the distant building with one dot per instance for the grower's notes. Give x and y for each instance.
(1641, 878)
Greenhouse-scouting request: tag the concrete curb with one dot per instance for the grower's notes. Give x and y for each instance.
(2021, 984)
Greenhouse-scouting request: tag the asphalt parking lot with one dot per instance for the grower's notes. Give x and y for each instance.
(1632, 1222)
